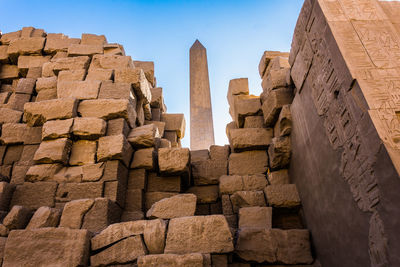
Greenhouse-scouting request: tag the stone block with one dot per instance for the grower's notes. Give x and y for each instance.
(283, 126)
(42, 172)
(137, 179)
(229, 184)
(115, 171)
(8, 115)
(100, 75)
(72, 191)
(254, 122)
(28, 62)
(144, 136)
(279, 177)
(93, 39)
(35, 72)
(110, 90)
(266, 59)
(274, 245)
(226, 205)
(58, 42)
(74, 212)
(137, 78)
(148, 69)
(13, 154)
(19, 173)
(115, 191)
(275, 78)
(134, 200)
(114, 49)
(159, 124)
(282, 196)
(171, 136)
(46, 94)
(143, 159)
(84, 50)
(26, 46)
(242, 199)
(103, 213)
(89, 128)
(34, 195)
(44, 217)
(248, 162)
(154, 236)
(173, 161)
(153, 197)
(279, 152)
(25, 86)
(6, 38)
(53, 151)
(108, 109)
(17, 218)
(273, 102)
(250, 139)
(172, 260)
(205, 194)
(5, 173)
(164, 143)
(71, 76)
(117, 126)
(174, 122)
(4, 97)
(114, 147)
(78, 89)
(57, 129)
(238, 86)
(8, 72)
(243, 106)
(208, 171)
(199, 155)
(65, 63)
(181, 205)
(157, 183)
(255, 217)
(157, 99)
(3, 54)
(6, 192)
(202, 234)
(47, 246)
(111, 62)
(17, 101)
(37, 113)
(83, 152)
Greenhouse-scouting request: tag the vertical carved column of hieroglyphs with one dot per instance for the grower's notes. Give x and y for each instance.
(201, 121)
(366, 36)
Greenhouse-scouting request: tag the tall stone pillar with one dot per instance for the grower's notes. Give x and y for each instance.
(201, 121)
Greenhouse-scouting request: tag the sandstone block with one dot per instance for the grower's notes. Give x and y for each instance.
(143, 159)
(71, 76)
(65, 63)
(72, 191)
(100, 75)
(157, 183)
(245, 105)
(103, 213)
(114, 147)
(78, 89)
(153, 197)
(248, 162)
(111, 62)
(110, 90)
(174, 122)
(6, 38)
(13, 154)
(205, 194)
(83, 152)
(13, 133)
(114, 49)
(124, 251)
(173, 161)
(238, 86)
(93, 39)
(148, 69)
(275, 78)
(6, 192)
(42, 172)
(28, 62)
(57, 129)
(25, 86)
(157, 99)
(144, 136)
(26, 46)
(137, 78)
(279, 177)
(53, 151)
(250, 138)
(275, 245)
(58, 42)
(203, 234)
(44, 217)
(226, 205)
(8, 115)
(282, 196)
(254, 122)
(47, 247)
(255, 217)
(266, 59)
(283, 126)
(3, 54)
(172, 260)
(154, 236)
(242, 199)
(176, 206)
(89, 128)
(229, 184)
(38, 113)
(17, 218)
(137, 179)
(35, 72)
(46, 94)
(34, 195)
(8, 72)
(108, 109)
(84, 50)
(46, 83)
(17, 101)
(117, 126)
(279, 152)
(159, 124)
(208, 171)
(273, 102)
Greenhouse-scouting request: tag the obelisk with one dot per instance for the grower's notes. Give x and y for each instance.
(201, 121)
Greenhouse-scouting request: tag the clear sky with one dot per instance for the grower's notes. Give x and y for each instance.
(234, 32)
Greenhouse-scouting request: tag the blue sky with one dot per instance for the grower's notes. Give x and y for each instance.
(234, 32)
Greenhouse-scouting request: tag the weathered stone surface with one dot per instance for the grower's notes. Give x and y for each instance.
(53, 151)
(248, 162)
(65, 63)
(42, 172)
(172, 260)
(103, 213)
(8, 71)
(266, 59)
(112, 90)
(109, 109)
(6, 192)
(177, 206)
(117, 126)
(124, 251)
(229, 184)
(99, 75)
(47, 247)
(4, 231)
(173, 161)
(43, 83)
(74, 211)
(255, 217)
(13, 133)
(238, 86)
(114, 147)
(26, 46)
(203, 234)
(154, 236)
(153, 197)
(242, 199)
(282, 196)
(114, 49)
(93, 39)
(17, 218)
(174, 122)
(3, 54)
(279, 152)
(6, 38)
(29, 62)
(37, 113)
(66, 77)
(279, 177)
(84, 50)
(8, 115)
(273, 102)
(283, 126)
(148, 68)
(58, 42)
(78, 89)
(275, 78)
(111, 62)
(44, 217)
(137, 179)
(83, 152)
(143, 159)
(250, 138)
(57, 129)
(245, 105)
(89, 128)
(137, 78)
(157, 99)
(144, 136)
(208, 171)
(25, 86)
(254, 122)
(72, 191)
(17, 101)
(275, 245)
(46, 94)
(205, 194)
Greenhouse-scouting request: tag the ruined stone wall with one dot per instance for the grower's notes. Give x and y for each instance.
(344, 63)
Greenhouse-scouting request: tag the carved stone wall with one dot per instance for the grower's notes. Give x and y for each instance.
(345, 61)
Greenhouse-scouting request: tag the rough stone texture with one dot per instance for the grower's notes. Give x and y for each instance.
(69, 78)
(112, 90)
(203, 234)
(6, 192)
(250, 138)
(157, 183)
(144, 136)
(171, 260)
(248, 162)
(272, 246)
(255, 217)
(117, 126)
(273, 103)
(44, 217)
(154, 236)
(83, 152)
(56, 129)
(174, 122)
(8, 115)
(205, 194)
(42, 172)
(47, 247)
(148, 68)
(201, 121)
(177, 206)
(243, 106)
(278, 177)
(137, 78)
(242, 199)
(153, 197)
(73, 213)
(229, 184)
(103, 213)
(282, 196)
(254, 122)
(266, 59)
(78, 89)
(53, 151)
(173, 161)
(114, 147)
(17, 218)
(34, 195)
(279, 152)
(108, 109)
(89, 128)
(124, 251)
(99, 75)
(72, 191)
(283, 126)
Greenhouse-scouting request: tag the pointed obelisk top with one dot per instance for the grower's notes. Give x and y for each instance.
(197, 45)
